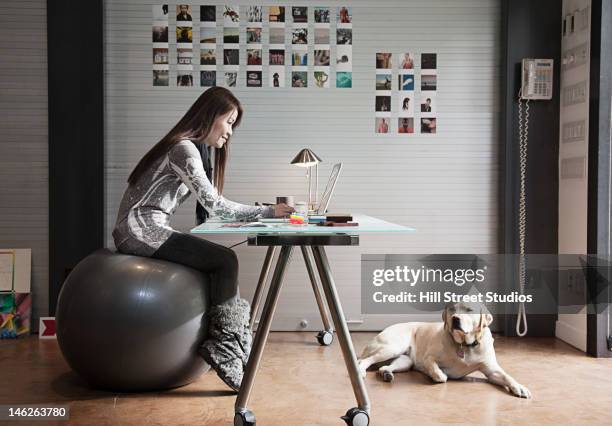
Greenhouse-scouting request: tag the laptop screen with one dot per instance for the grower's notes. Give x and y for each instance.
(329, 189)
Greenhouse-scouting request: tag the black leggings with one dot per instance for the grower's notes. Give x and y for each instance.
(214, 259)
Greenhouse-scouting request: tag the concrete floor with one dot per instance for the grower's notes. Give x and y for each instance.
(302, 383)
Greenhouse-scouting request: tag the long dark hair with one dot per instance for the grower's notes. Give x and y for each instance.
(195, 125)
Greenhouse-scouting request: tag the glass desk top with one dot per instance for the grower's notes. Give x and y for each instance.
(367, 224)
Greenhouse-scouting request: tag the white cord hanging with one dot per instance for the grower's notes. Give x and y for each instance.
(523, 140)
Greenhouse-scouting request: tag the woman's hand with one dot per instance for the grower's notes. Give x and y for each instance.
(282, 210)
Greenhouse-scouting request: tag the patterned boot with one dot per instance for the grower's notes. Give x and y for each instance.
(229, 341)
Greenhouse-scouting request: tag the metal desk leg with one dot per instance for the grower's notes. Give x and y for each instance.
(261, 284)
(355, 415)
(243, 416)
(325, 336)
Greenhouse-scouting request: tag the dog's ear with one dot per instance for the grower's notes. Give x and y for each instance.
(485, 320)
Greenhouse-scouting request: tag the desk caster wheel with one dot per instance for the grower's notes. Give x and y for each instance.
(356, 417)
(325, 338)
(246, 418)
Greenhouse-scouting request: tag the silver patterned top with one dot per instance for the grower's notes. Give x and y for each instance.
(143, 220)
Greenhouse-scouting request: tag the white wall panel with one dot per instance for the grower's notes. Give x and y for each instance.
(24, 194)
(445, 185)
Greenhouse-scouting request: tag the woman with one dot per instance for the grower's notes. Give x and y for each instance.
(160, 182)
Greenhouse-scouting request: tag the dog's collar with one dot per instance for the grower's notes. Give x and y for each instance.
(461, 352)
(471, 345)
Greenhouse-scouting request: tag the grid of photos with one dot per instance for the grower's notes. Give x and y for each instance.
(276, 41)
(161, 68)
(208, 46)
(299, 47)
(429, 88)
(184, 45)
(254, 51)
(344, 47)
(231, 45)
(415, 104)
(220, 47)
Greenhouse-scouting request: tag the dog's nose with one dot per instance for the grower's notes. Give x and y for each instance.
(456, 323)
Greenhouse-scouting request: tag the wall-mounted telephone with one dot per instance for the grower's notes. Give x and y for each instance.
(536, 84)
(537, 79)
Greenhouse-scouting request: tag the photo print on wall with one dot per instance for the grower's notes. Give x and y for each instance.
(277, 57)
(321, 36)
(208, 14)
(254, 14)
(277, 35)
(231, 79)
(406, 105)
(321, 78)
(208, 35)
(299, 14)
(406, 82)
(299, 79)
(160, 12)
(383, 81)
(428, 104)
(184, 79)
(184, 35)
(208, 78)
(160, 56)
(253, 78)
(381, 125)
(276, 14)
(405, 125)
(344, 15)
(253, 56)
(277, 76)
(344, 58)
(183, 13)
(321, 15)
(428, 125)
(160, 33)
(253, 35)
(161, 78)
(231, 16)
(344, 80)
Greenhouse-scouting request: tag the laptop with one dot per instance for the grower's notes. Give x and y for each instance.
(329, 190)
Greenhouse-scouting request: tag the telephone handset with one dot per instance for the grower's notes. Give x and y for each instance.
(537, 79)
(536, 84)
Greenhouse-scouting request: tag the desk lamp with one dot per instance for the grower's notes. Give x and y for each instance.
(306, 158)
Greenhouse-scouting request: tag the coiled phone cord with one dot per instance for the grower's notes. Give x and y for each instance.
(523, 121)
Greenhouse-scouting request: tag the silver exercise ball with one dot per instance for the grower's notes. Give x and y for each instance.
(131, 323)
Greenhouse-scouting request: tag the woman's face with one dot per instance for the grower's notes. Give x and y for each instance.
(221, 129)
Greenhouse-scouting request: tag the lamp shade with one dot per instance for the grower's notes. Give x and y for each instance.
(306, 158)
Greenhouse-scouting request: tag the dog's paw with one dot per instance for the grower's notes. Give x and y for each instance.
(519, 390)
(386, 375)
(439, 377)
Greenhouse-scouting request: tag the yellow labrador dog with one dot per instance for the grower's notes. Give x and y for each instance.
(454, 348)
